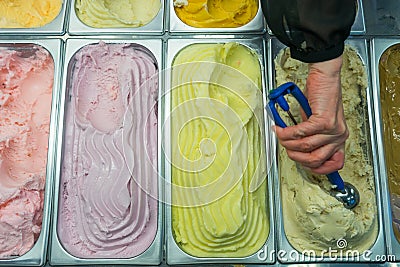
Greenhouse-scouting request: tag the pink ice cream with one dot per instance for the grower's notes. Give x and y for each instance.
(108, 200)
(26, 84)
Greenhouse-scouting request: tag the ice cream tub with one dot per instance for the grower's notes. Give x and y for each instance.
(32, 17)
(29, 96)
(215, 127)
(313, 225)
(358, 27)
(215, 17)
(384, 53)
(116, 17)
(108, 199)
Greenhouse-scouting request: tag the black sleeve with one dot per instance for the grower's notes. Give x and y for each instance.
(315, 30)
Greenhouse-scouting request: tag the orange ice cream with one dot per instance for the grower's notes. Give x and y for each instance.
(216, 13)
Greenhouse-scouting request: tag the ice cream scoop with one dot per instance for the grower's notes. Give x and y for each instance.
(344, 192)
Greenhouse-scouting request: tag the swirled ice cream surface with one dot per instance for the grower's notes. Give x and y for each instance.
(218, 151)
(108, 200)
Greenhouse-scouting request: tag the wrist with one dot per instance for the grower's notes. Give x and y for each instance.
(330, 68)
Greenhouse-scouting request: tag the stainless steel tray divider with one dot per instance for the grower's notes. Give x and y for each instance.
(378, 248)
(55, 27)
(58, 255)
(154, 27)
(378, 47)
(38, 254)
(174, 254)
(176, 26)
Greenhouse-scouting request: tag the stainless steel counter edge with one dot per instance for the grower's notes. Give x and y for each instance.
(58, 255)
(174, 254)
(378, 47)
(37, 255)
(177, 26)
(77, 27)
(55, 27)
(378, 248)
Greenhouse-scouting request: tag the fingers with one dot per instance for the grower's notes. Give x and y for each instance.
(316, 147)
(336, 162)
(299, 138)
(324, 160)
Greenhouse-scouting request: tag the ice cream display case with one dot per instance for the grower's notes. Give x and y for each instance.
(333, 226)
(215, 17)
(116, 17)
(154, 146)
(384, 53)
(33, 17)
(29, 100)
(108, 198)
(218, 187)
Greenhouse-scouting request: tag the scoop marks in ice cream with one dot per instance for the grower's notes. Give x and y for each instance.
(314, 220)
(108, 201)
(389, 79)
(26, 84)
(218, 151)
(28, 13)
(116, 13)
(216, 13)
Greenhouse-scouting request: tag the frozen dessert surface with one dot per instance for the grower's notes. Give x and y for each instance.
(314, 220)
(180, 3)
(116, 13)
(108, 199)
(216, 13)
(28, 13)
(389, 79)
(218, 178)
(26, 84)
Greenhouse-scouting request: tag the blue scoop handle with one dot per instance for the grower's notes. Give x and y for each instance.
(276, 96)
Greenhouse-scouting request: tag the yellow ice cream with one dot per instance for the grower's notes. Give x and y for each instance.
(116, 13)
(216, 13)
(219, 189)
(28, 13)
(314, 220)
(389, 79)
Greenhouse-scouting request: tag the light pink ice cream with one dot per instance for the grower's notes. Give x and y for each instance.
(26, 84)
(107, 208)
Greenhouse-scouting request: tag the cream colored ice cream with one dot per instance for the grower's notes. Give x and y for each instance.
(389, 79)
(216, 13)
(116, 13)
(218, 151)
(314, 220)
(28, 13)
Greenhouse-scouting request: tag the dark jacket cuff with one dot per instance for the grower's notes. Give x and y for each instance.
(317, 56)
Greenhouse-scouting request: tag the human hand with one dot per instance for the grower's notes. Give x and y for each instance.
(318, 142)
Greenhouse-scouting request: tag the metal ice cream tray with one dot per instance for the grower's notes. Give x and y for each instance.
(177, 26)
(58, 254)
(55, 27)
(378, 248)
(36, 256)
(378, 47)
(77, 27)
(174, 253)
